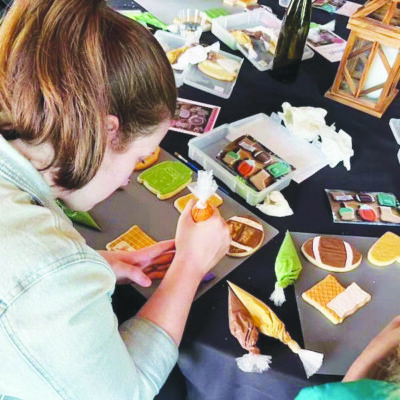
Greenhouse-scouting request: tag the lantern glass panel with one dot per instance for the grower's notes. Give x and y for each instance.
(355, 65)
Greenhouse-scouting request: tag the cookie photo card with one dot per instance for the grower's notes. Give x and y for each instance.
(193, 117)
(364, 207)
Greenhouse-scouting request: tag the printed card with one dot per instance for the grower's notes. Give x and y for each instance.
(193, 117)
(341, 7)
(326, 43)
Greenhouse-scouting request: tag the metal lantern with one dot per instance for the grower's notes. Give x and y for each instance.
(370, 68)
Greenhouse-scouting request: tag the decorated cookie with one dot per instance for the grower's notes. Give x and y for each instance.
(334, 301)
(278, 169)
(132, 239)
(247, 235)
(341, 196)
(347, 213)
(148, 161)
(364, 197)
(387, 215)
(387, 200)
(367, 213)
(231, 157)
(166, 179)
(181, 202)
(248, 144)
(261, 179)
(332, 254)
(244, 154)
(262, 157)
(246, 168)
(321, 294)
(385, 251)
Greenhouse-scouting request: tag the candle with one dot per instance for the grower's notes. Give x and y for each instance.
(377, 73)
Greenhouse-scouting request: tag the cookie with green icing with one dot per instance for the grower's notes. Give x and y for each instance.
(166, 179)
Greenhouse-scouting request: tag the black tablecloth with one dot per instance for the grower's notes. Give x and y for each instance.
(208, 351)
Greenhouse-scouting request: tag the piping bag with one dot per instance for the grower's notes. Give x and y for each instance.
(269, 324)
(287, 269)
(203, 189)
(243, 329)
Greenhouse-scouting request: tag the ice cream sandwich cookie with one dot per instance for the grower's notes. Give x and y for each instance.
(132, 239)
(247, 235)
(332, 254)
(166, 179)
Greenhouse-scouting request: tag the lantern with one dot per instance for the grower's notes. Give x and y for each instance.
(370, 68)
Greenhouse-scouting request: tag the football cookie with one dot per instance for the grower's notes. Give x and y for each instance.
(332, 254)
(385, 251)
(247, 235)
(166, 179)
(148, 161)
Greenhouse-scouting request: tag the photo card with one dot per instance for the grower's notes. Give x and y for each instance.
(193, 117)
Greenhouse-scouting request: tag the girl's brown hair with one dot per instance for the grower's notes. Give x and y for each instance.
(64, 66)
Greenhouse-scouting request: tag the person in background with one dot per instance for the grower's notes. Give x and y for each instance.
(85, 93)
(374, 375)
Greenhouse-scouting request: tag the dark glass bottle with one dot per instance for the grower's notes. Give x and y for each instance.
(291, 41)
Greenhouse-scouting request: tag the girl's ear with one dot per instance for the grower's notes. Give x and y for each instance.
(112, 126)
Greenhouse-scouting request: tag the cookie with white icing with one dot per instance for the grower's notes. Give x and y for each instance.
(331, 253)
(247, 235)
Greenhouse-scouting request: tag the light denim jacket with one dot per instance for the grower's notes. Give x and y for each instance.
(59, 337)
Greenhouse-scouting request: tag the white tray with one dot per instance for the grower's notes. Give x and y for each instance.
(305, 157)
(170, 41)
(259, 17)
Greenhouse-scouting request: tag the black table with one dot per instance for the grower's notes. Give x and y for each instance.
(208, 351)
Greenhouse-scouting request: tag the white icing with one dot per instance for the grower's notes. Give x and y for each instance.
(248, 222)
(241, 246)
(349, 301)
(349, 254)
(315, 246)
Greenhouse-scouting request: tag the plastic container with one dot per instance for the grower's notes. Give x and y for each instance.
(259, 17)
(171, 41)
(305, 157)
(194, 77)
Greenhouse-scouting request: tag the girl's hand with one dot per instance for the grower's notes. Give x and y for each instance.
(201, 245)
(129, 266)
(377, 350)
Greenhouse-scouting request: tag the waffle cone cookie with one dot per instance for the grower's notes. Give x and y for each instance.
(332, 254)
(247, 235)
(385, 251)
(321, 294)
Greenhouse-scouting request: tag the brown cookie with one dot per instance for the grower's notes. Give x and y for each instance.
(247, 235)
(332, 254)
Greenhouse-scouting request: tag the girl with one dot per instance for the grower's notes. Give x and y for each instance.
(84, 94)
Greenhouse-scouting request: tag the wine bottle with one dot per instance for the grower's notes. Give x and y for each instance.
(291, 41)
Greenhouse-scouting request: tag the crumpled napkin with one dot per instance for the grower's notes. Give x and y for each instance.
(195, 55)
(309, 124)
(275, 205)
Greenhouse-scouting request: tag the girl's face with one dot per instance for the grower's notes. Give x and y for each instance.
(115, 170)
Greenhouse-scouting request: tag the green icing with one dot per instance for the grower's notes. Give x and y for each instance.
(234, 155)
(287, 264)
(278, 169)
(387, 199)
(166, 177)
(346, 210)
